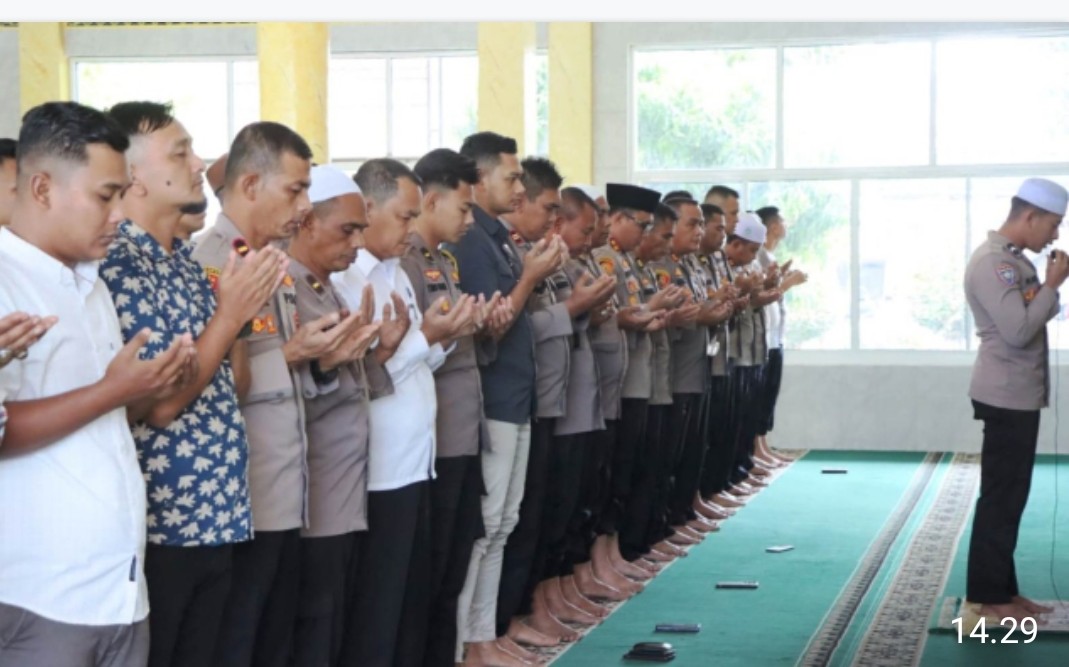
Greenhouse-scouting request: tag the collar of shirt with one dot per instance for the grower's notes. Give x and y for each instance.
(369, 263)
(36, 262)
(1003, 243)
(148, 244)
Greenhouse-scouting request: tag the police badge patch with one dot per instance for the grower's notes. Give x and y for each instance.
(1007, 274)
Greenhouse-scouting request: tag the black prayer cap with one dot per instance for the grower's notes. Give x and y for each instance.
(623, 195)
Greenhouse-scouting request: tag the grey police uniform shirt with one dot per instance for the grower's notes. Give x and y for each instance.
(1011, 308)
(637, 377)
(337, 414)
(460, 424)
(582, 413)
(552, 328)
(273, 410)
(652, 280)
(760, 324)
(743, 339)
(610, 350)
(719, 333)
(690, 369)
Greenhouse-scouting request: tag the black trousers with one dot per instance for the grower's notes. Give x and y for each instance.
(689, 435)
(456, 522)
(746, 412)
(627, 455)
(524, 550)
(773, 378)
(636, 498)
(720, 454)
(258, 618)
(604, 511)
(659, 441)
(187, 589)
(388, 625)
(326, 597)
(1007, 459)
(565, 477)
(594, 486)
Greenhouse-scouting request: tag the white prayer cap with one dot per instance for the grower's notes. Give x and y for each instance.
(750, 228)
(329, 182)
(1044, 194)
(590, 191)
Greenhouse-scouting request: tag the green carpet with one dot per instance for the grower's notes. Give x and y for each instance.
(830, 519)
(1033, 575)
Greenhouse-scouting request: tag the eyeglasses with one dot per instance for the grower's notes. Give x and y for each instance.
(644, 224)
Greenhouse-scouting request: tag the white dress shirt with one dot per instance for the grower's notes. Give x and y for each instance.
(402, 423)
(72, 514)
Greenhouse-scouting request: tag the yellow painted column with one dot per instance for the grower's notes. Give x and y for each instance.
(293, 79)
(44, 73)
(571, 100)
(502, 49)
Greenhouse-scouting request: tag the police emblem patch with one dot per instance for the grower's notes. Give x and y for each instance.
(1007, 274)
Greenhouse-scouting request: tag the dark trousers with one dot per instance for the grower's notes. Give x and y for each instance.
(626, 457)
(258, 619)
(746, 412)
(658, 440)
(456, 522)
(773, 378)
(524, 550)
(604, 511)
(565, 477)
(594, 482)
(326, 595)
(720, 454)
(29, 640)
(388, 625)
(187, 589)
(1007, 459)
(688, 435)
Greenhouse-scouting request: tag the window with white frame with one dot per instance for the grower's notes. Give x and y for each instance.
(400, 106)
(890, 160)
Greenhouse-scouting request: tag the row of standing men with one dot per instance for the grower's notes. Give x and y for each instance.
(420, 416)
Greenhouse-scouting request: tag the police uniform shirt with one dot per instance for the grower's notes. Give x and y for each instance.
(743, 352)
(760, 323)
(583, 399)
(552, 328)
(689, 343)
(637, 378)
(274, 413)
(719, 333)
(338, 423)
(610, 350)
(1011, 308)
(461, 425)
(652, 280)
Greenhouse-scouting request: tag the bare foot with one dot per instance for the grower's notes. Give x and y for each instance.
(1032, 606)
(559, 606)
(669, 549)
(611, 548)
(651, 566)
(709, 511)
(545, 622)
(576, 598)
(703, 526)
(489, 654)
(657, 556)
(728, 500)
(1001, 611)
(522, 633)
(601, 574)
(512, 648)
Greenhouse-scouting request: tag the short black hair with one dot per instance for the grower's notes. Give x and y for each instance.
(259, 147)
(679, 202)
(142, 117)
(63, 130)
(378, 178)
(664, 213)
(486, 148)
(767, 213)
(681, 195)
(574, 200)
(540, 174)
(722, 191)
(709, 210)
(736, 237)
(1019, 207)
(447, 169)
(8, 149)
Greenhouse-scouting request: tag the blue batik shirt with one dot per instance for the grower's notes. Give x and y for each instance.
(196, 469)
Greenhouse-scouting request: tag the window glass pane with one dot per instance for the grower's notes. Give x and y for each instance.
(865, 105)
(198, 90)
(536, 107)
(460, 99)
(411, 106)
(723, 118)
(912, 241)
(1002, 100)
(357, 108)
(246, 93)
(817, 218)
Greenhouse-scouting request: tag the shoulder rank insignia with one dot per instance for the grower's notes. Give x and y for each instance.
(456, 267)
(314, 283)
(427, 255)
(1007, 274)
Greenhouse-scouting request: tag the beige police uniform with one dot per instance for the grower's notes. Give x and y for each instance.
(639, 348)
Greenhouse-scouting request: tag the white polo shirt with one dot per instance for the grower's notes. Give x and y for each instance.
(403, 423)
(72, 514)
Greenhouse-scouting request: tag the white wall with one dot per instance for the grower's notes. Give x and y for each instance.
(9, 82)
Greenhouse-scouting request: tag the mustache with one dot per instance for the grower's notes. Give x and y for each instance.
(194, 208)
